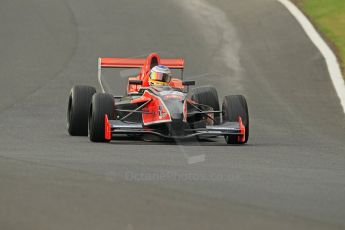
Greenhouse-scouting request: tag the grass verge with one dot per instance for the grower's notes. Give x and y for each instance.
(329, 18)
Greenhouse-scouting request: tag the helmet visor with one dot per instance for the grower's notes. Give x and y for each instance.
(156, 76)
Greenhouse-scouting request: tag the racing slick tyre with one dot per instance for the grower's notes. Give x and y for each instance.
(78, 109)
(207, 95)
(233, 107)
(102, 104)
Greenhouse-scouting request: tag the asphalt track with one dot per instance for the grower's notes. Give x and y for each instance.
(291, 174)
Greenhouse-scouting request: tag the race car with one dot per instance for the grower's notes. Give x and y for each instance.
(171, 111)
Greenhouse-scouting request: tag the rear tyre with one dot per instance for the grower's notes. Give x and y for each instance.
(102, 104)
(233, 107)
(207, 95)
(78, 109)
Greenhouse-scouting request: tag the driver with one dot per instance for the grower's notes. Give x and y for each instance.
(160, 75)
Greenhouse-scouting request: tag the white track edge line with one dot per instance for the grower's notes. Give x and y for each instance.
(330, 58)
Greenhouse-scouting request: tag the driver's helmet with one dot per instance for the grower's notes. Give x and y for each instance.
(160, 75)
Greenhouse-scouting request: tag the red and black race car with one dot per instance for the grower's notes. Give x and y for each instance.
(173, 111)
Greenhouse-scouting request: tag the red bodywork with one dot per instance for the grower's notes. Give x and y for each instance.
(153, 115)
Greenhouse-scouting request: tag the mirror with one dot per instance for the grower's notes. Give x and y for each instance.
(135, 82)
(188, 83)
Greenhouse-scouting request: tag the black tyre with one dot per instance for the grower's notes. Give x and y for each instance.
(233, 107)
(101, 104)
(207, 95)
(78, 109)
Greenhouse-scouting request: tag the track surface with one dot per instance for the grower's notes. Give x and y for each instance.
(291, 175)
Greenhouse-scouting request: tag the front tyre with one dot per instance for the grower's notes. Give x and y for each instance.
(235, 106)
(207, 95)
(102, 104)
(78, 109)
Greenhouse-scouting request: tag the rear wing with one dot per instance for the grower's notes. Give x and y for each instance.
(106, 62)
(137, 63)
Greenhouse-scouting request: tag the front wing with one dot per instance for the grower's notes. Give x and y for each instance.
(116, 127)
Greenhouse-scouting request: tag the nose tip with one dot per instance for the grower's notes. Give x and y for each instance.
(176, 116)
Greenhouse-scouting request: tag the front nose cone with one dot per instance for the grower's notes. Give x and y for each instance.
(175, 108)
(177, 116)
